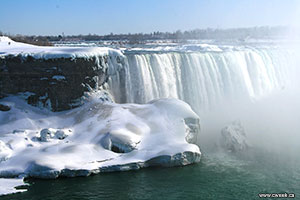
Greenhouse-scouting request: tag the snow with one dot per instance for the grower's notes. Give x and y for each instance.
(95, 136)
(10, 47)
(8, 186)
(5, 152)
(49, 133)
(58, 77)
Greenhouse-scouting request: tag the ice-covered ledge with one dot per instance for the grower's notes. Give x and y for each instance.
(96, 137)
(9, 47)
(54, 77)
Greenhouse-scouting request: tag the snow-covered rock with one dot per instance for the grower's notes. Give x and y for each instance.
(192, 130)
(233, 137)
(56, 77)
(96, 137)
(46, 134)
(49, 133)
(62, 134)
(5, 151)
(12, 48)
(4, 108)
(120, 141)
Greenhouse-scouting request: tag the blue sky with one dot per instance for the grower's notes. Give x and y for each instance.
(52, 17)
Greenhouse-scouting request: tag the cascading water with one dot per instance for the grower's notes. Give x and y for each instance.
(202, 78)
(255, 85)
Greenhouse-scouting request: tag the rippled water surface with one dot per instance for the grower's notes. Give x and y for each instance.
(218, 176)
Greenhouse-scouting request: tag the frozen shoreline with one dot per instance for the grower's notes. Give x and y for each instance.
(8, 186)
(97, 137)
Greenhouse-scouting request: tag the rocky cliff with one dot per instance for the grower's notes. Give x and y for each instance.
(52, 77)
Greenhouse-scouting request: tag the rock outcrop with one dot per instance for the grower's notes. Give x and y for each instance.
(4, 107)
(56, 83)
(54, 77)
(233, 137)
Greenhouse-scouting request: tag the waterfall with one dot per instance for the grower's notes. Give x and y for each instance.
(203, 78)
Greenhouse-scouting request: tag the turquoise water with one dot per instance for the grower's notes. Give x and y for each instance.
(217, 176)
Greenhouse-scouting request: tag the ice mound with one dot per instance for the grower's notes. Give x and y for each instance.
(49, 133)
(5, 151)
(96, 137)
(8, 186)
(233, 137)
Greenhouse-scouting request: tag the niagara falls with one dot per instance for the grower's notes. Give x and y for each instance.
(137, 100)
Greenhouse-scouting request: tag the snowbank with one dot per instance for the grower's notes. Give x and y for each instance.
(96, 137)
(10, 47)
(8, 186)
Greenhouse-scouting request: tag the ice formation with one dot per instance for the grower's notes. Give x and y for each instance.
(233, 138)
(96, 137)
(5, 151)
(8, 186)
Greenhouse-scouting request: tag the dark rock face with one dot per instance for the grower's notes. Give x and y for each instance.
(57, 83)
(4, 107)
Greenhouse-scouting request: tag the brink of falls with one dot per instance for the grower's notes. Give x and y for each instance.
(202, 78)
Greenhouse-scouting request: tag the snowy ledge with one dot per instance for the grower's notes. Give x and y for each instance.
(56, 77)
(9, 47)
(96, 137)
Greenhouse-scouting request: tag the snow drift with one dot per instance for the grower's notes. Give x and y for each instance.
(96, 137)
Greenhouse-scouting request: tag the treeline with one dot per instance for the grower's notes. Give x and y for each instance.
(237, 33)
(35, 40)
(209, 33)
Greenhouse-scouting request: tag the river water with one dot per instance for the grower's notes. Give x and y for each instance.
(218, 176)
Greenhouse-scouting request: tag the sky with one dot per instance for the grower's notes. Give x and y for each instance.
(71, 17)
